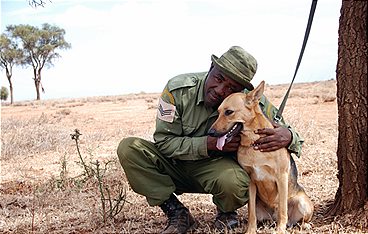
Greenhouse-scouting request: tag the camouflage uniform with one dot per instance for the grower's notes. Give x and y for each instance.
(178, 161)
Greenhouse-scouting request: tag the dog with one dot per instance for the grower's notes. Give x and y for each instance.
(274, 193)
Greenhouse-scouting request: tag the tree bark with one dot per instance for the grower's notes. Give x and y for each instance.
(9, 72)
(37, 81)
(11, 92)
(352, 100)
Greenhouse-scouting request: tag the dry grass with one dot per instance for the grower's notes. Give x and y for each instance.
(43, 189)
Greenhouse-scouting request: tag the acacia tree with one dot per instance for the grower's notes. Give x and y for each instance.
(39, 47)
(10, 55)
(352, 100)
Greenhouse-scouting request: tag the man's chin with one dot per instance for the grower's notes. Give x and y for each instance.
(211, 104)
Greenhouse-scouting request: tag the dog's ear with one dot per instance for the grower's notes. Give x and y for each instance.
(255, 94)
(258, 92)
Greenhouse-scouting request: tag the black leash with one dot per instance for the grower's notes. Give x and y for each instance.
(278, 116)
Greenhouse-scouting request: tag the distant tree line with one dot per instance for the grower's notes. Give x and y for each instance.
(30, 46)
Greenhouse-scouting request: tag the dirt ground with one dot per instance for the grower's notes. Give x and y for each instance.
(41, 186)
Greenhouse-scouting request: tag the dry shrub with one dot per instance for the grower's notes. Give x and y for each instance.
(25, 103)
(313, 92)
(46, 209)
(318, 163)
(328, 97)
(62, 204)
(66, 106)
(64, 112)
(29, 137)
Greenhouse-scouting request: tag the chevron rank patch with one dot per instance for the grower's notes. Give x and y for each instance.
(165, 111)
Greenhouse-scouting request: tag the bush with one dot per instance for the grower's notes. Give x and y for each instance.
(4, 93)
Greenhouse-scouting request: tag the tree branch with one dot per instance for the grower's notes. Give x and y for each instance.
(37, 3)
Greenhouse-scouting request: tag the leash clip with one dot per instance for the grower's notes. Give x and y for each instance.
(277, 119)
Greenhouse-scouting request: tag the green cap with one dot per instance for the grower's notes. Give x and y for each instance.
(238, 64)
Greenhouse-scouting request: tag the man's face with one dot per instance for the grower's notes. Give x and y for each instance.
(218, 86)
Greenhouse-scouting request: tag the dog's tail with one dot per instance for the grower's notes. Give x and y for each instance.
(293, 176)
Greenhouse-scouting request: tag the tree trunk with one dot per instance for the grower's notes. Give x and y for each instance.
(37, 80)
(352, 101)
(9, 73)
(11, 92)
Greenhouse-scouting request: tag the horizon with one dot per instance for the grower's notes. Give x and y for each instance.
(129, 47)
(7, 102)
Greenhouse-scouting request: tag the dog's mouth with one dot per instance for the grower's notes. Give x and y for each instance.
(222, 140)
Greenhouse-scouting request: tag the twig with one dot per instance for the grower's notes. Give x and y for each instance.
(100, 186)
(75, 137)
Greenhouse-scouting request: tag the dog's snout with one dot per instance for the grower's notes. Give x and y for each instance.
(211, 132)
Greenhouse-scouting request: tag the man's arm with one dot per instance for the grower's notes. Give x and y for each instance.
(283, 135)
(169, 135)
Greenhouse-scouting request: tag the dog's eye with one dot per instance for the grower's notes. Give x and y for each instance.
(228, 112)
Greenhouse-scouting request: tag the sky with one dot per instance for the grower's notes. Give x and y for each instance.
(131, 46)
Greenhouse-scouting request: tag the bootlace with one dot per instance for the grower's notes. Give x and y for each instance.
(178, 218)
(226, 219)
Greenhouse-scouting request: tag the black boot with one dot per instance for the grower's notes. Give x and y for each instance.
(179, 218)
(226, 220)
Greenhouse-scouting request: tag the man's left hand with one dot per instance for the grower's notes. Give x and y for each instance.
(272, 138)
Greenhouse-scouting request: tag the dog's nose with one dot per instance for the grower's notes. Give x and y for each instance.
(211, 132)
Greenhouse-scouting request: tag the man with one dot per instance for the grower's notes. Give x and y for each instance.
(184, 159)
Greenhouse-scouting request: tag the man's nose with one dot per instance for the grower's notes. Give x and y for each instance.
(220, 90)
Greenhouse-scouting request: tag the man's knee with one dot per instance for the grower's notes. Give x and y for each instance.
(126, 149)
(232, 190)
(232, 182)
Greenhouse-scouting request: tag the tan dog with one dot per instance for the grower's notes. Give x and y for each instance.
(274, 192)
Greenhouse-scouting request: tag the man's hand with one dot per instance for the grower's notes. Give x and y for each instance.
(231, 146)
(272, 138)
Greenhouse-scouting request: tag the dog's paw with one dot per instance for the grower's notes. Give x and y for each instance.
(251, 231)
(306, 226)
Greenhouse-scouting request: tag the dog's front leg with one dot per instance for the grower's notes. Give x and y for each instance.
(282, 186)
(252, 217)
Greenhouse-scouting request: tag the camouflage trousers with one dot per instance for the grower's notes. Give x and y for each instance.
(156, 177)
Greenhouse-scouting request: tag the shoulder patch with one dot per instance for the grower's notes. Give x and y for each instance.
(165, 111)
(166, 94)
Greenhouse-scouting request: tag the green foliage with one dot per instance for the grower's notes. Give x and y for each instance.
(10, 53)
(37, 47)
(4, 93)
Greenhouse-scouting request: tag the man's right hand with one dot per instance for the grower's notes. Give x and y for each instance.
(231, 146)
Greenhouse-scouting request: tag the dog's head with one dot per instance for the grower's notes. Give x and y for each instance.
(235, 112)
